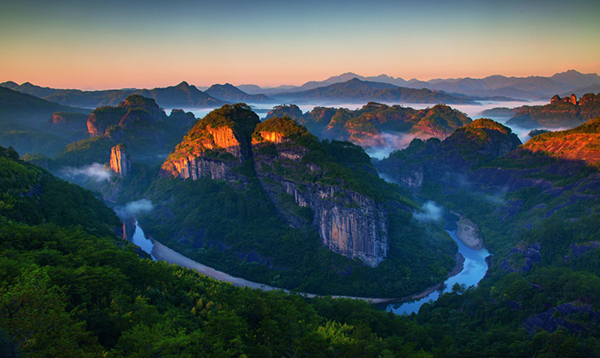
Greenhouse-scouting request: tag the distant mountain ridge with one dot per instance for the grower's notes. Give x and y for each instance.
(181, 95)
(530, 88)
(359, 91)
(230, 93)
(452, 90)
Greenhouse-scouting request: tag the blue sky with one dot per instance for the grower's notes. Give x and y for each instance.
(111, 44)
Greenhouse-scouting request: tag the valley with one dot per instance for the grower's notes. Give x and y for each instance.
(293, 202)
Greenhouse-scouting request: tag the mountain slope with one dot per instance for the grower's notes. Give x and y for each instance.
(566, 112)
(356, 90)
(180, 96)
(26, 123)
(230, 93)
(265, 199)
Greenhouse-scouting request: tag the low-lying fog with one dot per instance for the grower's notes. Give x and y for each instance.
(397, 141)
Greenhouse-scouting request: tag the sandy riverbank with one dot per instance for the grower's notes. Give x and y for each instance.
(164, 253)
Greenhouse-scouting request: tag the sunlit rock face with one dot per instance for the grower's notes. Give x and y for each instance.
(206, 157)
(214, 147)
(120, 161)
(348, 222)
(223, 137)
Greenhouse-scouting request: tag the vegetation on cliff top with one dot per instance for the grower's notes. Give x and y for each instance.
(237, 227)
(560, 113)
(67, 292)
(374, 119)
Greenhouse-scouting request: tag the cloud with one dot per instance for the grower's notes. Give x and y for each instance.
(134, 208)
(96, 172)
(385, 143)
(430, 212)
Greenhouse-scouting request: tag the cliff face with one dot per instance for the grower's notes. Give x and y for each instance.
(348, 222)
(214, 147)
(482, 140)
(200, 167)
(120, 161)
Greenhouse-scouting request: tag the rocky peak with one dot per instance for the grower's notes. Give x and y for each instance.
(291, 111)
(573, 99)
(214, 146)
(120, 161)
(134, 108)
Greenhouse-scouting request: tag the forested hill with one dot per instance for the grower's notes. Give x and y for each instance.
(262, 200)
(182, 95)
(357, 91)
(72, 288)
(369, 125)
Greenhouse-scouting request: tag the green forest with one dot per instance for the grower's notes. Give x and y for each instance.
(74, 288)
(70, 286)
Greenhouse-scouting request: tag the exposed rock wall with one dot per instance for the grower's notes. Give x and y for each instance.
(348, 223)
(224, 137)
(120, 161)
(200, 167)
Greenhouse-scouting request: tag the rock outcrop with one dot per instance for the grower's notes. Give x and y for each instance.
(215, 146)
(348, 222)
(565, 112)
(444, 161)
(120, 161)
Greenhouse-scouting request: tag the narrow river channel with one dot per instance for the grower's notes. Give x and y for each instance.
(474, 269)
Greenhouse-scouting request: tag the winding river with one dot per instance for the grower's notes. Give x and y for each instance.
(473, 270)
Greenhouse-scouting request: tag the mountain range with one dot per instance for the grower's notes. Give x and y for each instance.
(529, 88)
(347, 87)
(268, 201)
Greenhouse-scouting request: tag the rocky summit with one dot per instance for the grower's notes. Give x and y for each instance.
(289, 167)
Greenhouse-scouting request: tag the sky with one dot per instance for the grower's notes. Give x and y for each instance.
(146, 44)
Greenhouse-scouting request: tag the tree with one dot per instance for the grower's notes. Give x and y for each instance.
(35, 323)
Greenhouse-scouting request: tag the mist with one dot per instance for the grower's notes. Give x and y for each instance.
(386, 143)
(96, 172)
(431, 212)
(134, 208)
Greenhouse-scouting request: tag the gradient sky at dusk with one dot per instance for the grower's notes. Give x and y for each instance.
(115, 44)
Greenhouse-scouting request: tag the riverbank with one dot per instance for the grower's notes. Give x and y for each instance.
(164, 253)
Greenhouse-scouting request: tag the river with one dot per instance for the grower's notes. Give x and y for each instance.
(140, 240)
(474, 269)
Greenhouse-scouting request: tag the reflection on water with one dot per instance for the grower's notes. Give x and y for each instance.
(140, 240)
(474, 269)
